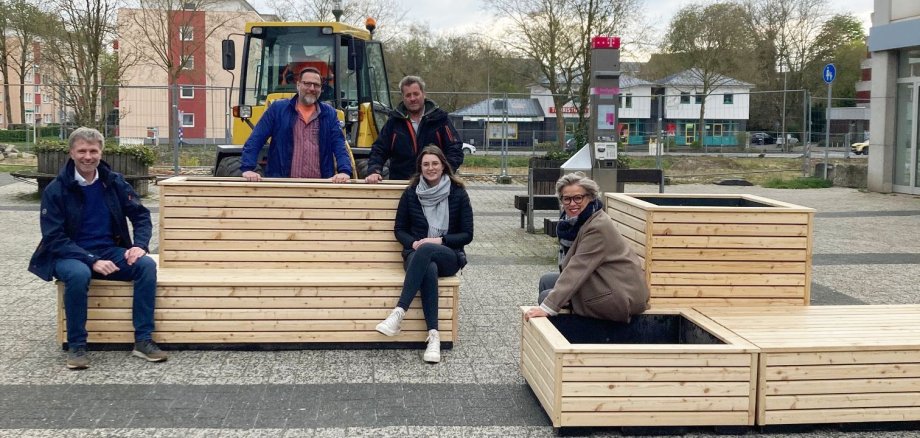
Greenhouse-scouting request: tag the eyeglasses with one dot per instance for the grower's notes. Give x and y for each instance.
(311, 84)
(576, 199)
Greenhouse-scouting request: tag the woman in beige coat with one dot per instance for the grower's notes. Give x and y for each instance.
(600, 274)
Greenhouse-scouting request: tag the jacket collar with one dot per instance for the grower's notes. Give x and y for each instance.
(430, 108)
(67, 178)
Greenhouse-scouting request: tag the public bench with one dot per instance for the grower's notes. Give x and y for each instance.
(548, 200)
(274, 262)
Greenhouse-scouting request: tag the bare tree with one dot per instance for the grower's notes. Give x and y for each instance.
(76, 43)
(707, 41)
(22, 19)
(556, 34)
(390, 14)
(5, 12)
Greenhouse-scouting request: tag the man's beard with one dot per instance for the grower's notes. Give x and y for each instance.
(308, 99)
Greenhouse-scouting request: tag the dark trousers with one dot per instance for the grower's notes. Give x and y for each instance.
(423, 267)
(76, 276)
(547, 283)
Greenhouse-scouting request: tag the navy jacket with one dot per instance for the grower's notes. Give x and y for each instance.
(411, 224)
(278, 123)
(62, 212)
(400, 144)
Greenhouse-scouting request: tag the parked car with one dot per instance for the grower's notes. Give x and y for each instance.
(861, 148)
(762, 138)
(790, 140)
(468, 149)
(570, 145)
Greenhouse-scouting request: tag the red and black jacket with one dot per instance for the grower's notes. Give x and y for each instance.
(400, 144)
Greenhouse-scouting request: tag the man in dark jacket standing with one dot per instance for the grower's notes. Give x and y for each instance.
(85, 235)
(417, 122)
(307, 139)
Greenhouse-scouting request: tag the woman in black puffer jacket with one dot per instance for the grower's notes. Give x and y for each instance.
(434, 221)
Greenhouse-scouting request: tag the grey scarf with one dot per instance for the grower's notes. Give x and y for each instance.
(434, 205)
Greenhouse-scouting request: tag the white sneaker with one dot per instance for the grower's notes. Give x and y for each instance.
(390, 326)
(433, 352)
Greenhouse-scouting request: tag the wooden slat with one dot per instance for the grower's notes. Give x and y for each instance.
(292, 256)
(282, 246)
(731, 217)
(269, 291)
(258, 302)
(745, 267)
(844, 371)
(125, 325)
(753, 230)
(654, 404)
(837, 358)
(851, 386)
(741, 301)
(269, 337)
(630, 221)
(305, 191)
(741, 292)
(279, 213)
(855, 415)
(291, 203)
(844, 401)
(652, 389)
(654, 418)
(279, 224)
(168, 234)
(754, 255)
(656, 374)
(738, 242)
(285, 265)
(267, 314)
(653, 359)
(717, 279)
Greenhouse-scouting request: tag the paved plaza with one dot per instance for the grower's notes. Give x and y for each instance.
(866, 251)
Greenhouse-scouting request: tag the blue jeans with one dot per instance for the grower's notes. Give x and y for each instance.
(423, 267)
(76, 276)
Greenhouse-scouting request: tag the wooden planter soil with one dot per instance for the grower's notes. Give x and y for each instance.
(832, 364)
(701, 250)
(666, 368)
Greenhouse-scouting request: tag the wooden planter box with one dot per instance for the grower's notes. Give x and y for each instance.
(51, 162)
(701, 250)
(665, 368)
(832, 364)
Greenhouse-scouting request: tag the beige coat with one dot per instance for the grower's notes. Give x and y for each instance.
(601, 275)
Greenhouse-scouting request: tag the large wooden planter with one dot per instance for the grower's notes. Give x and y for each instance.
(718, 249)
(51, 162)
(666, 368)
(832, 364)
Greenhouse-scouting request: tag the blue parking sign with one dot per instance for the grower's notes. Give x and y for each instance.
(830, 72)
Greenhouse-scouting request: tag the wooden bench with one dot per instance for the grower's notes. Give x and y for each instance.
(832, 364)
(549, 201)
(274, 262)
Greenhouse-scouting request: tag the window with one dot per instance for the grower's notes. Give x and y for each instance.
(189, 63)
(699, 99)
(28, 98)
(186, 33)
(187, 92)
(188, 120)
(684, 97)
(30, 118)
(717, 130)
(728, 99)
(626, 101)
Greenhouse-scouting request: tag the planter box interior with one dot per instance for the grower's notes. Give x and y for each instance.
(643, 329)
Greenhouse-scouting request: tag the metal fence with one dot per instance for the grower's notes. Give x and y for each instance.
(490, 121)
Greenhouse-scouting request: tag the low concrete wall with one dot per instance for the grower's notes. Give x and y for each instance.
(854, 175)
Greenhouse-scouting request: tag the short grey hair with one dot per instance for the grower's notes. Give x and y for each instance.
(591, 187)
(409, 80)
(88, 135)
